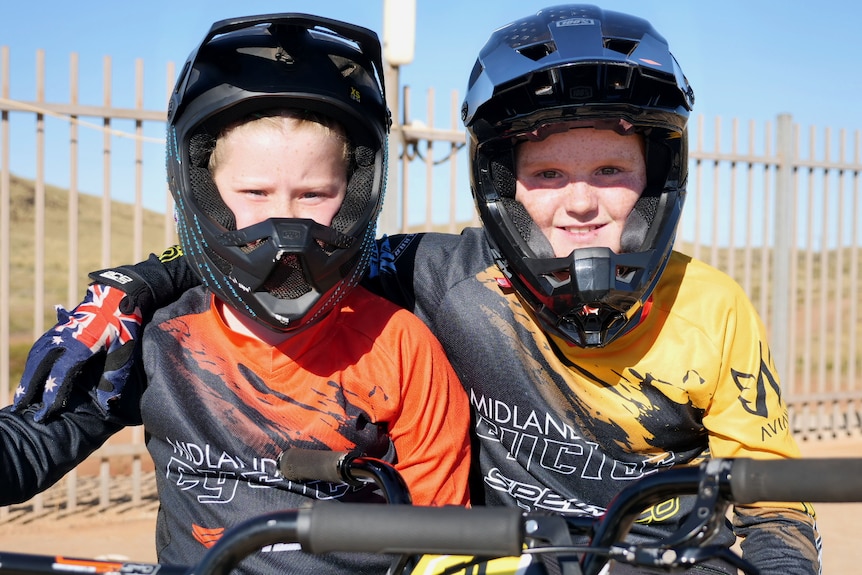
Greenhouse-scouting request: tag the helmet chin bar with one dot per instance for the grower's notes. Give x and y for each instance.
(597, 271)
(588, 327)
(266, 243)
(590, 296)
(589, 324)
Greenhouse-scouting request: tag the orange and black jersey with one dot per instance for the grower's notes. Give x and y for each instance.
(219, 408)
(563, 429)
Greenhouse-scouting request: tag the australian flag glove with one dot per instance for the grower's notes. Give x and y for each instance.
(96, 346)
(96, 331)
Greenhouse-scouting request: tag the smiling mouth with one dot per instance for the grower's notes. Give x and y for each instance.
(581, 231)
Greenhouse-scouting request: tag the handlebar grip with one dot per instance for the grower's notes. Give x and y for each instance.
(298, 464)
(813, 480)
(403, 529)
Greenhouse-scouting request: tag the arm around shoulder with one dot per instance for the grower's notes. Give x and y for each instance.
(35, 455)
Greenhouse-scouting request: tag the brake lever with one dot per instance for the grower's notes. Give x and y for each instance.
(709, 511)
(687, 546)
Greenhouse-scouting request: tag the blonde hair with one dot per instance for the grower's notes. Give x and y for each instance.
(282, 120)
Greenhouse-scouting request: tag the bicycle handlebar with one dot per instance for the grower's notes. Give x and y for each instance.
(835, 480)
(503, 531)
(314, 464)
(498, 531)
(351, 467)
(482, 531)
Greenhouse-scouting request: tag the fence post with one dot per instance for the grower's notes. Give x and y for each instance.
(388, 222)
(783, 247)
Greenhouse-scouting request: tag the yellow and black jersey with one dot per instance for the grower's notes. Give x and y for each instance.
(563, 429)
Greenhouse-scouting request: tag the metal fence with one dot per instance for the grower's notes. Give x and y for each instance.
(775, 206)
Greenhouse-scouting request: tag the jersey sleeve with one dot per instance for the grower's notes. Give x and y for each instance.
(778, 540)
(431, 430)
(749, 418)
(35, 455)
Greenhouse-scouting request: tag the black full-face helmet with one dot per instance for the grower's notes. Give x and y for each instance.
(567, 67)
(285, 273)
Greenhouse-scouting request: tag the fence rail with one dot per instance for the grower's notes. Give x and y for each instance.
(775, 206)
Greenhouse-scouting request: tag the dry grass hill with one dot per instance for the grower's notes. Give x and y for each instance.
(56, 265)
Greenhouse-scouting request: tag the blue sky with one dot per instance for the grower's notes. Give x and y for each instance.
(746, 59)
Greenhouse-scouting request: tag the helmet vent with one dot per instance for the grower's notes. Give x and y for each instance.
(538, 51)
(287, 281)
(503, 177)
(349, 265)
(222, 264)
(621, 45)
(248, 248)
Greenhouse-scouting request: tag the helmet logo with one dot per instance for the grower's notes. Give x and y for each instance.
(575, 22)
(355, 95)
(288, 233)
(581, 92)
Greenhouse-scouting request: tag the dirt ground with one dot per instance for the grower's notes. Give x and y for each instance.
(127, 531)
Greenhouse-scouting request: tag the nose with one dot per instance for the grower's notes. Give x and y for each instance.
(580, 198)
(247, 215)
(282, 207)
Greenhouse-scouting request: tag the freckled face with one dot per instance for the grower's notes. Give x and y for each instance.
(294, 171)
(579, 186)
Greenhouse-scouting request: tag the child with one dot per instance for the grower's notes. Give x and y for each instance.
(276, 145)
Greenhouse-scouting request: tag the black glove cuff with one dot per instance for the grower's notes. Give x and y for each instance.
(124, 278)
(152, 283)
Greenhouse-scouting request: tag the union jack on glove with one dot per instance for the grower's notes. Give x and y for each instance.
(96, 328)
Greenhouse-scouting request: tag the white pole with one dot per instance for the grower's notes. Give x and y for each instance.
(399, 40)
